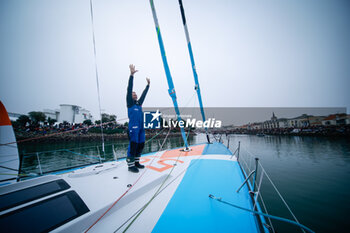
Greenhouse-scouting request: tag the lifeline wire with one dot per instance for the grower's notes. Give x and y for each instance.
(263, 214)
(274, 186)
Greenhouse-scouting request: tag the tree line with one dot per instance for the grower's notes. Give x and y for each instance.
(36, 118)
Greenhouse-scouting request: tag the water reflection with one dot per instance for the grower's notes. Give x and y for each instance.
(312, 173)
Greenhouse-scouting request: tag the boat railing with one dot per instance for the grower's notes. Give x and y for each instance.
(43, 162)
(255, 178)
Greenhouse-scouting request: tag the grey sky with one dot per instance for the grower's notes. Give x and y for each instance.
(248, 53)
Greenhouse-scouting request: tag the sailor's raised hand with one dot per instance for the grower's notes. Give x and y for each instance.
(148, 81)
(132, 69)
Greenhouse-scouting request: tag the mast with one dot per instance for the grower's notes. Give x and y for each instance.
(171, 89)
(196, 87)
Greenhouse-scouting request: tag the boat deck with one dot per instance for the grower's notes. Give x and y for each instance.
(170, 195)
(191, 210)
(183, 203)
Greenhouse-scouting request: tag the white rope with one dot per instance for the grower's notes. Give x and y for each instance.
(96, 73)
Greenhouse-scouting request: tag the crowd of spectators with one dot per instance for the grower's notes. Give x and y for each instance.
(75, 128)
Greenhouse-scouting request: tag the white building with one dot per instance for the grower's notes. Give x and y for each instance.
(13, 116)
(300, 121)
(53, 114)
(271, 124)
(347, 120)
(73, 114)
(254, 126)
(283, 123)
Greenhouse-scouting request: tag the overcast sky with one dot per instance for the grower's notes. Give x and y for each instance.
(248, 53)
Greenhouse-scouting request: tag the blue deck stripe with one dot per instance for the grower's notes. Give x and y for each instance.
(191, 210)
(216, 148)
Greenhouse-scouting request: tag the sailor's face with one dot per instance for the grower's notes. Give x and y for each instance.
(134, 96)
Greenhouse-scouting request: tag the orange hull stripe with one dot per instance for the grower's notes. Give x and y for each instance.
(4, 117)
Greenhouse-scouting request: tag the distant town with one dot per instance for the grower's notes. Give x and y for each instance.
(331, 125)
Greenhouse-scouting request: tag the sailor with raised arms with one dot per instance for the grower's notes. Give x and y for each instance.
(136, 131)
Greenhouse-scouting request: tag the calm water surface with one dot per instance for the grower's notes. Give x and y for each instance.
(312, 174)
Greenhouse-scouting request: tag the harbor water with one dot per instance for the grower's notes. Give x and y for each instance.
(311, 173)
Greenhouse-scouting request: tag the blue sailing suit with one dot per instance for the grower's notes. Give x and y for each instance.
(136, 130)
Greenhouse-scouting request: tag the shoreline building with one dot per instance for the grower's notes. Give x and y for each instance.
(53, 114)
(67, 112)
(336, 119)
(73, 114)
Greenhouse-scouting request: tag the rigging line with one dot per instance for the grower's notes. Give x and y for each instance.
(88, 156)
(73, 148)
(263, 214)
(172, 108)
(96, 72)
(171, 86)
(166, 186)
(184, 108)
(190, 99)
(279, 194)
(155, 194)
(258, 191)
(84, 147)
(59, 133)
(12, 169)
(274, 186)
(254, 182)
(149, 140)
(197, 88)
(158, 190)
(262, 201)
(127, 189)
(9, 174)
(188, 133)
(10, 159)
(12, 146)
